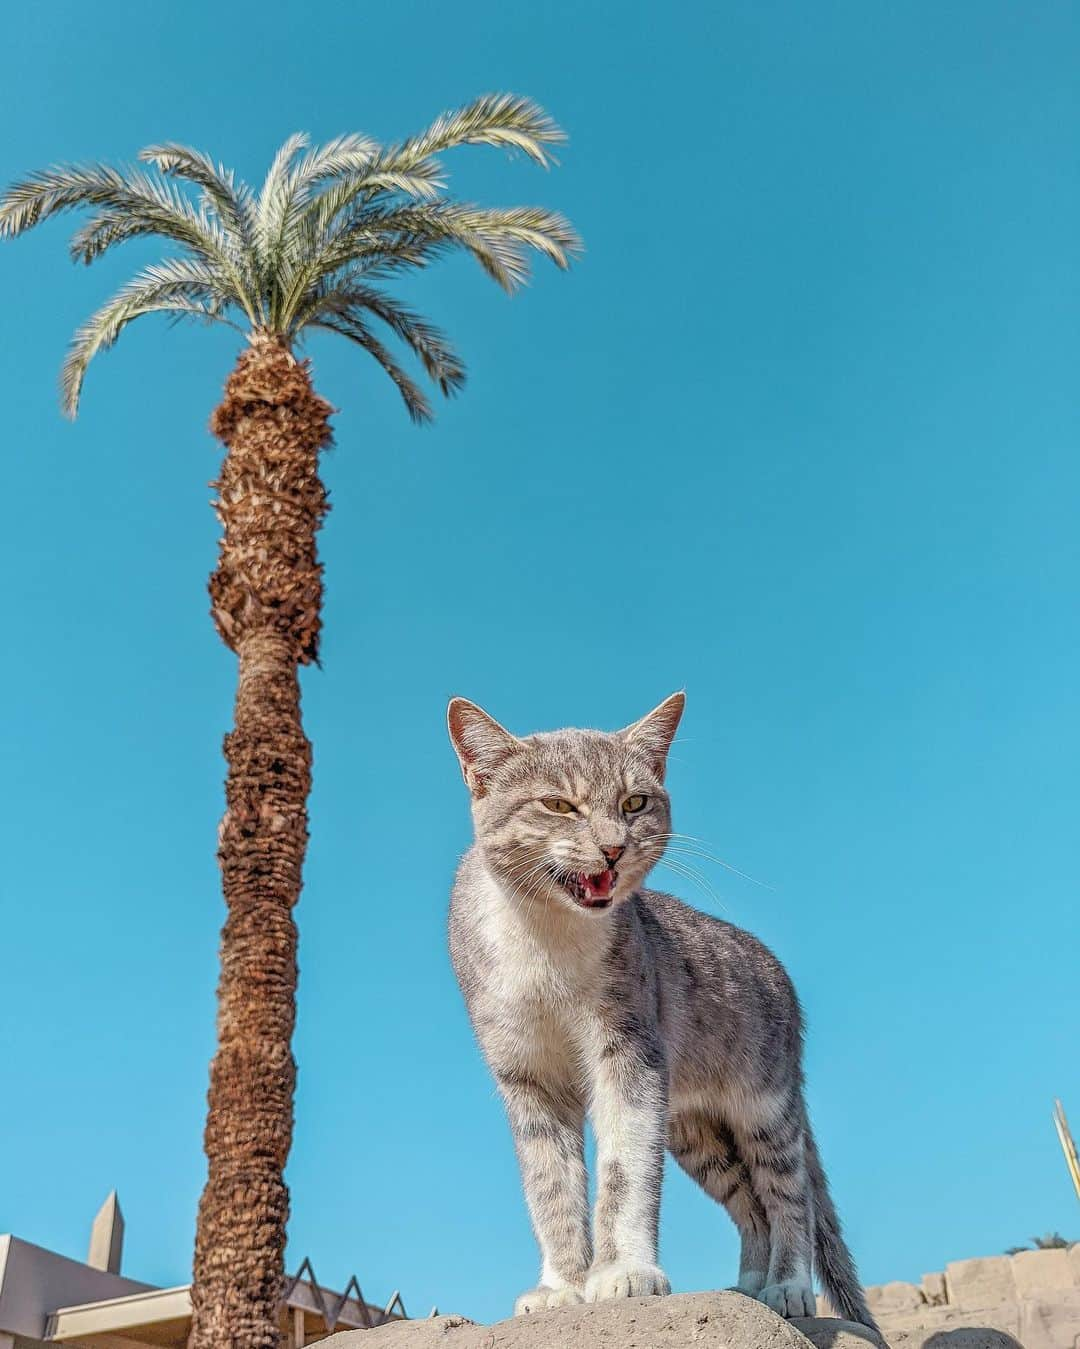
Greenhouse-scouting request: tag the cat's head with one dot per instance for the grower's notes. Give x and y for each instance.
(571, 817)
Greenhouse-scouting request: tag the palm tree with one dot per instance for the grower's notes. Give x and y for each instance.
(305, 252)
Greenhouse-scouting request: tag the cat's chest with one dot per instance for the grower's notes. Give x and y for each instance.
(537, 988)
(543, 1017)
(531, 975)
(548, 994)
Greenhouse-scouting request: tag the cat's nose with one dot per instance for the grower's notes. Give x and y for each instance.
(612, 854)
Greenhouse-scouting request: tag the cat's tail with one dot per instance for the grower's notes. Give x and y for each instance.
(835, 1267)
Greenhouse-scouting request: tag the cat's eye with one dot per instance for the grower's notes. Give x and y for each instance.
(558, 805)
(633, 804)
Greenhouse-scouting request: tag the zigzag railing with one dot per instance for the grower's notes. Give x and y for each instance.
(331, 1307)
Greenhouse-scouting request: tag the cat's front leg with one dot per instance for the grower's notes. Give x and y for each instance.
(629, 1113)
(548, 1127)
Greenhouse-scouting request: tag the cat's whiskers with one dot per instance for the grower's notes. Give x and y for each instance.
(537, 881)
(705, 846)
(532, 858)
(682, 868)
(682, 851)
(689, 850)
(531, 876)
(530, 872)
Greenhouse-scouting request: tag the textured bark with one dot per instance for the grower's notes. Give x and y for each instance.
(270, 501)
(266, 594)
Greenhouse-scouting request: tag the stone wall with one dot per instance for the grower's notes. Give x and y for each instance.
(1034, 1296)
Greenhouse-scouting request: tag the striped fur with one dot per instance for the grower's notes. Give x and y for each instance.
(662, 1026)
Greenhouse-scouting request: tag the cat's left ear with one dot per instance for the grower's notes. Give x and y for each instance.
(653, 734)
(480, 743)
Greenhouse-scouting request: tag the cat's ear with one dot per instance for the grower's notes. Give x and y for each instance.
(480, 743)
(653, 734)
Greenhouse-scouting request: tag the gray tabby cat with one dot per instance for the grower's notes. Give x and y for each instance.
(593, 997)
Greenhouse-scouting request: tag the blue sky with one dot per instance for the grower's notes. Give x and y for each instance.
(799, 434)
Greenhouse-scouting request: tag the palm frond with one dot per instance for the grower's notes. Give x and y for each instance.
(535, 227)
(192, 273)
(312, 218)
(395, 256)
(313, 250)
(65, 187)
(289, 229)
(106, 229)
(293, 232)
(134, 204)
(419, 408)
(371, 260)
(233, 203)
(423, 182)
(336, 158)
(274, 204)
(350, 299)
(437, 225)
(493, 119)
(408, 168)
(509, 234)
(497, 239)
(180, 287)
(114, 226)
(391, 241)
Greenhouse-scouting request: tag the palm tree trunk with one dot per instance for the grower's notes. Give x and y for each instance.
(267, 597)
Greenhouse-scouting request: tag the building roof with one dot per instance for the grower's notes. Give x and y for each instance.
(34, 1282)
(162, 1316)
(46, 1298)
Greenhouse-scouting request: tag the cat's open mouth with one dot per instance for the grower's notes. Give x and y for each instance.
(591, 892)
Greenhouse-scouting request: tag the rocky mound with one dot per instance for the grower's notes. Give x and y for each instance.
(696, 1320)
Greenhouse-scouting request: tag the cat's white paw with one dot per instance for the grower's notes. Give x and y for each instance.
(751, 1282)
(541, 1298)
(793, 1297)
(623, 1279)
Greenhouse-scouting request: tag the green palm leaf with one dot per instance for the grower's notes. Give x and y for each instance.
(418, 407)
(493, 119)
(184, 289)
(234, 205)
(441, 363)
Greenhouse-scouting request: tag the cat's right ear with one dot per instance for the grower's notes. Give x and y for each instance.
(480, 743)
(653, 734)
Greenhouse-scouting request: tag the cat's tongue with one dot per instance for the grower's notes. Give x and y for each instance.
(598, 886)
